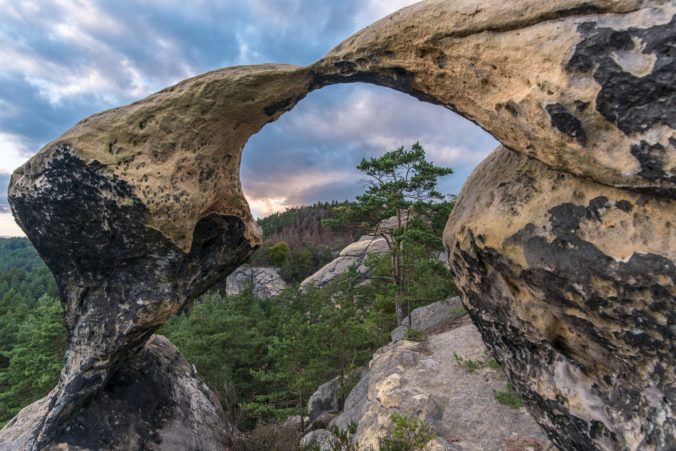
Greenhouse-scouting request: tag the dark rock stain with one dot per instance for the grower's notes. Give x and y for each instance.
(634, 104)
(566, 123)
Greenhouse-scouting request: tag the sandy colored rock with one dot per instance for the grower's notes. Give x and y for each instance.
(425, 381)
(583, 277)
(154, 402)
(585, 87)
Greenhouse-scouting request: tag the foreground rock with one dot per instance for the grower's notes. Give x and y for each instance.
(139, 210)
(424, 380)
(265, 282)
(582, 276)
(354, 254)
(153, 402)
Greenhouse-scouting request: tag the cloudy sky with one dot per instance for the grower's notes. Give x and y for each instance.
(62, 60)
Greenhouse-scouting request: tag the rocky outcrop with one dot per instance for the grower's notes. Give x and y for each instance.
(354, 254)
(425, 380)
(264, 281)
(429, 318)
(325, 399)
(566, 266)
(153, 402)
(582, 276)
(321, 439)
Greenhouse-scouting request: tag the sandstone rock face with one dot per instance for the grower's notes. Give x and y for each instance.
(354, 254)
(425, 381)
(582, 276)
(265, 282)
(153, 402)
(138, 210)
(567, 266)
(586, 87)
(430, 317)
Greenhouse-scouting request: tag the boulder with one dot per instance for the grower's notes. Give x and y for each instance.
(154, 401)
(354, 254)
(431, 317)
(320, 439)
(425, 380)
(264, 281)
(326, 399)
(582, 276)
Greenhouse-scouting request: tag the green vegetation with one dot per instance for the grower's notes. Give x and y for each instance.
(469, 364)
(402, 185)
(413, 335)
(32, 335)
(509, 397)
(409, 434)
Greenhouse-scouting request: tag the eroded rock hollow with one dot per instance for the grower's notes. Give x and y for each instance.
(562, 241)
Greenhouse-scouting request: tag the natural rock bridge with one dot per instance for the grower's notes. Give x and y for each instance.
(563, 241)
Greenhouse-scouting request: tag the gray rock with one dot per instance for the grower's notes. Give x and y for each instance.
(322, 438)
(153, 402)
(264, 281)
(325, 399)
(430, 317)
(425, 381)
(354, 254)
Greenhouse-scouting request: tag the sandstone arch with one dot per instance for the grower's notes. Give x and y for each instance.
(563, 240)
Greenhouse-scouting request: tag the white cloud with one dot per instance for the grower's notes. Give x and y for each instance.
(13, 152)
(8, 227)
(377, 9)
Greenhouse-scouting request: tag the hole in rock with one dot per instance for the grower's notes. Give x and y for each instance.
(310, 154)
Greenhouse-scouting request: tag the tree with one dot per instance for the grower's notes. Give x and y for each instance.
(401, 184)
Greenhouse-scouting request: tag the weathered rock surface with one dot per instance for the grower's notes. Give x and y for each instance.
(264, 281)
(582, 277)
(139, 209)
(325, 399)
(153, 402)
(587, 87)
(354, 254)
(430, 317)
(321, 439)
(425, 381)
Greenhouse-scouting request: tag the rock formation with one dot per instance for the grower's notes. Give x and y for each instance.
(154, 401)
(563, 242)
(580, 275)
(430, 317)
(354, 254)
(425, 380)
(265, 282)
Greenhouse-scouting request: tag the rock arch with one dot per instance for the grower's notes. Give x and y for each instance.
(562, 241)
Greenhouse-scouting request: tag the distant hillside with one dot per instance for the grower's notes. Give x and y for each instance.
(302, 226)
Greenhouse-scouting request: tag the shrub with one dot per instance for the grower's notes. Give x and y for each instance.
(409, 434)
(469, 364)
(413, 334)
(509, 397)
